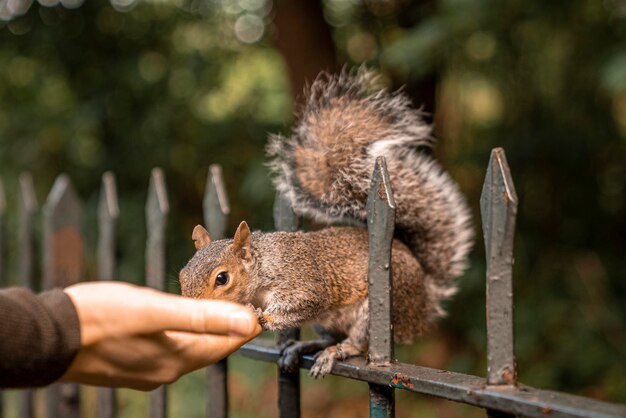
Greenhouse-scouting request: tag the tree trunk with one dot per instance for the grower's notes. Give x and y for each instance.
(304, 39)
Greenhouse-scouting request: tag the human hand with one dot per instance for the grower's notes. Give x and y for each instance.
(141, 338)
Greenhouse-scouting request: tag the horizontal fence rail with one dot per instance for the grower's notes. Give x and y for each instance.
(472, 390)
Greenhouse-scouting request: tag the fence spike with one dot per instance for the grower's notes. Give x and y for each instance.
(285, 219)
(108, 212)
(498, 206)
(157, 209)
(2, 266)
(63, 265)
(381, 217)
(215, 213)
(215, 203)
(3, 207)
(3, 202)
(26, 236)
(288, 383)
(380, 225)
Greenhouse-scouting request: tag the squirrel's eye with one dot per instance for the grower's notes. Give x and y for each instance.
(221, 279)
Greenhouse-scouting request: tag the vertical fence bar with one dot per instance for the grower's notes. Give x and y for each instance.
(3, 205)
(3, 208)
(108, 212)
(498, 207)
(215, 210)
(26, 237)
(380, 225)
(157, 209)
(288, 383)
(63, 265)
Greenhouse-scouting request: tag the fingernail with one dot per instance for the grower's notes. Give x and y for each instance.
(241, 324)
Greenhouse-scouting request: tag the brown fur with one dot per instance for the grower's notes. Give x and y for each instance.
(309, 277)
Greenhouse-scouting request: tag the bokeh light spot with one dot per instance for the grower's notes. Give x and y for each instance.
(249, 28)
(152, 66)
(21, 71)
(480, 46)
(362, 47)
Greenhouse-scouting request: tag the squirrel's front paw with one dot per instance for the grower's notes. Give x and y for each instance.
(259, 315)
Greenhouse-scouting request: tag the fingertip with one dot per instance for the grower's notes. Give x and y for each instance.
(243, 323)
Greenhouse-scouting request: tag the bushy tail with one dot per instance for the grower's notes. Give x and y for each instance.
(324, 169)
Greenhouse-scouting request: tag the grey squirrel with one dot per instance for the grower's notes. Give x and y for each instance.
(320, 277)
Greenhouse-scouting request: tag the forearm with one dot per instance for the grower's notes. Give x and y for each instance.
(39, 337)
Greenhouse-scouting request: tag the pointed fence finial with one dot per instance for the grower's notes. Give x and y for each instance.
(3, 206)
(215, 203)
(381, 209)
(498, 207)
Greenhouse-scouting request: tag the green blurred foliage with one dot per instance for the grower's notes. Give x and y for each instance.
(183, 84)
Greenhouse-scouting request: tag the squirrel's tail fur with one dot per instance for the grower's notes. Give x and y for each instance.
(324, 168)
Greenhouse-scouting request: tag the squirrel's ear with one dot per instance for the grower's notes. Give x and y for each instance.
(242, 242)
(200, 237)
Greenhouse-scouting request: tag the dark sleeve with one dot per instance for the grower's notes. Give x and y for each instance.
(39, 337)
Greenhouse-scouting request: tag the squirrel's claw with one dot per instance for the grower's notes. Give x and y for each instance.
(324, 361)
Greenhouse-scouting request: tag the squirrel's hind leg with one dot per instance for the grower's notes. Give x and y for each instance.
(354, 345)
(292, 350)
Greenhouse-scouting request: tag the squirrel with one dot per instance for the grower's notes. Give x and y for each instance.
(320, 277)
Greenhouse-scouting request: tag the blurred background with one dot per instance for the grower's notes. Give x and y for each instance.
(126, 85)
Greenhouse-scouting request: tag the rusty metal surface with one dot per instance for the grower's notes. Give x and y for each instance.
(215, 210)
(63, 246)
(473, 390)
(288, 383)
(498, 207)
(108, 212)
(157, 209)
(380, 226)
(26, 255)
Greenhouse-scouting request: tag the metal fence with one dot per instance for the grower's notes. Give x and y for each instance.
(499, 393)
